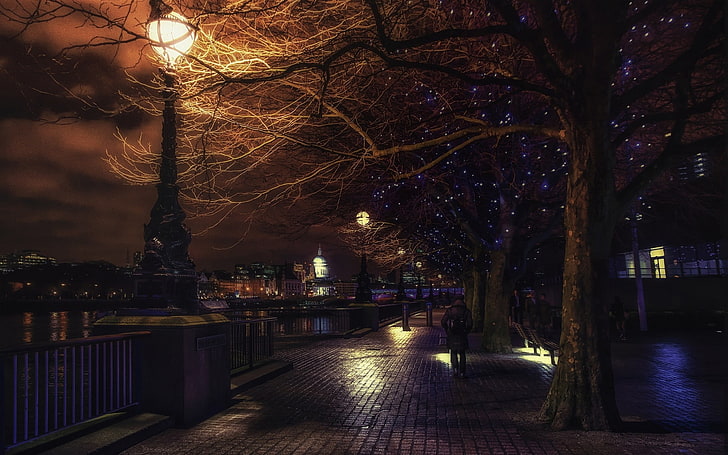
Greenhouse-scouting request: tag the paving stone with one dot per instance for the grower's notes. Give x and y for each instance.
(392, 392)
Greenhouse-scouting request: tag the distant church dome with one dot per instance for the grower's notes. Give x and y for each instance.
(320, 267)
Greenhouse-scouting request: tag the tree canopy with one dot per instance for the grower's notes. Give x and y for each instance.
(284, 101)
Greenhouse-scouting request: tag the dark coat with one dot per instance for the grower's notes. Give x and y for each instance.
(457, 342)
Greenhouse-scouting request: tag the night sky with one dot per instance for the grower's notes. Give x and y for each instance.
(59, 195)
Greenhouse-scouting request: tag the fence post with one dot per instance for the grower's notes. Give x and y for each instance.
(405, 317)
(251, 340)
(3, 403)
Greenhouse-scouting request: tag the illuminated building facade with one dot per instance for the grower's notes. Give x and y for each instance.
(673, 262)
(23, 260)
(320, 282)
(256, 280)
(320, 266)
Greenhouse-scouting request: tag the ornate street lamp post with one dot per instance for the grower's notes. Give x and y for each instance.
(363, 291)
(186, 357)
(401, 293)
(166, 275)
(418, 268)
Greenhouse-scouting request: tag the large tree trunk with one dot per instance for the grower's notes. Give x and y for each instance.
(582, 392)
(496, 333)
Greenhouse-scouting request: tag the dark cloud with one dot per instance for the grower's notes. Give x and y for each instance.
(60, 197)
(33, 84)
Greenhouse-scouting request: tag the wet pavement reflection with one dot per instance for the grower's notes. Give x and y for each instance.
(676, 381)
(392, 392)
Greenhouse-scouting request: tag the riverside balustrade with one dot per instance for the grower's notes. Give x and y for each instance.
(321, 321)
(393, 311)
(302, 321)
(251, 342)
(47, 387)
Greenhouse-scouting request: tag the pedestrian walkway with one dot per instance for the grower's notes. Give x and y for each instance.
(392, 392)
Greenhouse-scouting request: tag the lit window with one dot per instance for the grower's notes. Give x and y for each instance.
(658, 261)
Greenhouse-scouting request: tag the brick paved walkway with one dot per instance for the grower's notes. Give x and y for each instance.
(391, 392)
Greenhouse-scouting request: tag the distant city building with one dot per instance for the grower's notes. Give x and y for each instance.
(23, 260)
(73, 281)
(254, 280)
(320, 266)
(705, 259)
(138, 256)
(345, 288)
(291, 280)
(320, 283)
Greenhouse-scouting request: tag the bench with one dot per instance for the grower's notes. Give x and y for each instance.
(534, 340)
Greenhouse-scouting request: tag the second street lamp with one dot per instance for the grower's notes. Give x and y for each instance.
(166, 275)
(363, 290)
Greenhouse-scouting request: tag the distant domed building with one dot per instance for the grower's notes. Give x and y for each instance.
(321, 283)
(320, 266)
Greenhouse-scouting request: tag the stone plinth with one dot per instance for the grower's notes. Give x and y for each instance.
(184, 363)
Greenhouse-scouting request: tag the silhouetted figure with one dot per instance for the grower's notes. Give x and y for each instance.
(457, 322)
(530, 311)
(543, 321)
(619, 315)
(516, 306)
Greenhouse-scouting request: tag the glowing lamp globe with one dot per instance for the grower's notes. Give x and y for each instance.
(172, 36)
(362, 218)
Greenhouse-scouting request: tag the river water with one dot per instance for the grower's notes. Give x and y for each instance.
(40, 326)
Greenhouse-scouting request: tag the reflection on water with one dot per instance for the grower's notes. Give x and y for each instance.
(293, 324)
(87, 321)
(28, 327)
(41, 326)
(58, 325)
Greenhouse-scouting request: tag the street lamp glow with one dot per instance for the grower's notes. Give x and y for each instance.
(362, 218)
(172, 36)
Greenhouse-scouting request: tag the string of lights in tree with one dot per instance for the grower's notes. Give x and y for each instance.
(469, 188)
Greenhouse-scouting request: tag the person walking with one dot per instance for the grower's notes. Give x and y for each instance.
(516, 307)
(457, 322)
(530, 311)
(619, 314)
(544, 324)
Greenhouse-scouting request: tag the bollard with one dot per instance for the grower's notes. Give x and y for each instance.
(429, 314)
(405, 317)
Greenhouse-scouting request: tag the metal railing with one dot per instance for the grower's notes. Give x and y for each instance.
(321, 321)
(47, 387)
(251, 341)
(302, 321)
(392, 311)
